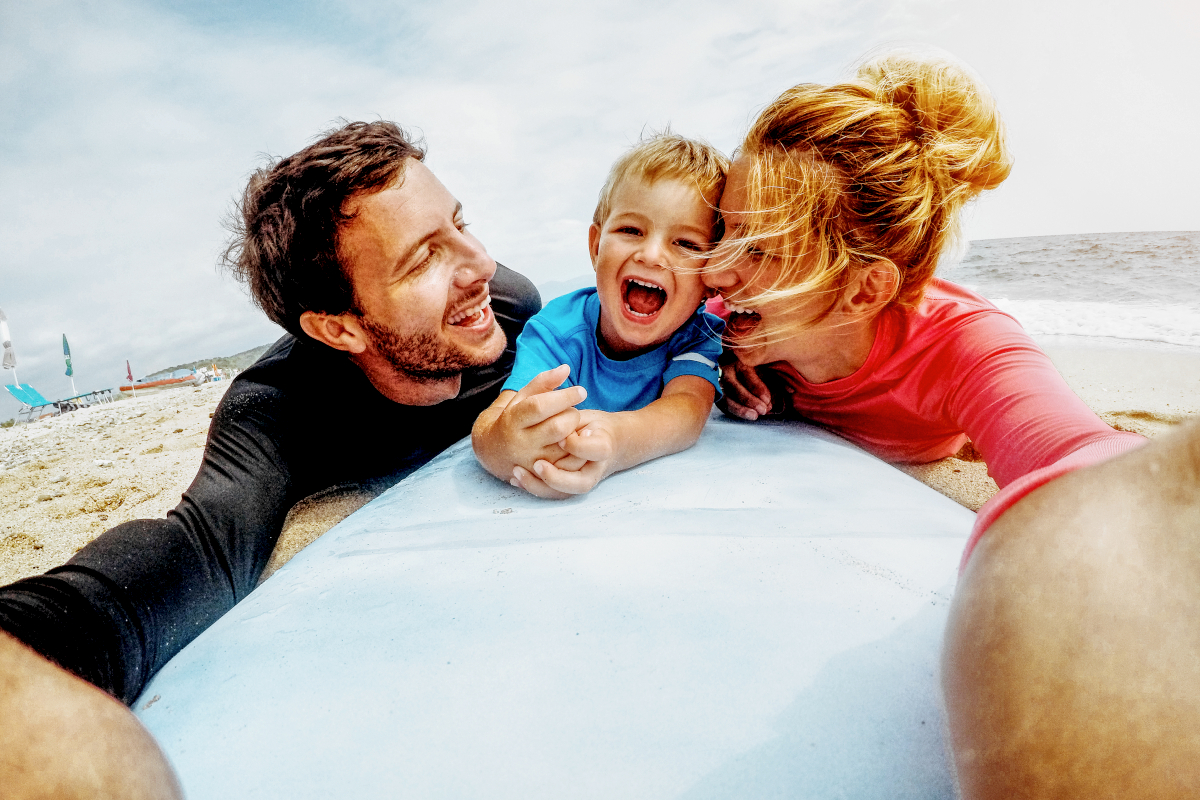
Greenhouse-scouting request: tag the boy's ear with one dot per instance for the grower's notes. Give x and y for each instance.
(594, 243)
(872, 288)
(339, 331)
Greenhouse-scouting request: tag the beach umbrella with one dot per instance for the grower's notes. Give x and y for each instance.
(129, 374)
(70, 371)
(10, 356)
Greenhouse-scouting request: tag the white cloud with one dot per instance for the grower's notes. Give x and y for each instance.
(129, 127)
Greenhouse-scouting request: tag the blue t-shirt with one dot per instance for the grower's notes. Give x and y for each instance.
(565, 332)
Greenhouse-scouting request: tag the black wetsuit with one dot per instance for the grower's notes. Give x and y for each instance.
(302, 419)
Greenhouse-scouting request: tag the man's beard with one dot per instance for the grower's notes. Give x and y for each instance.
(422, 357)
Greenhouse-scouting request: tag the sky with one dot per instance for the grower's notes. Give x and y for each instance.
(129, 128)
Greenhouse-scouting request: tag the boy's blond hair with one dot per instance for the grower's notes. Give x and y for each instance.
(876, 168)
(667, 156)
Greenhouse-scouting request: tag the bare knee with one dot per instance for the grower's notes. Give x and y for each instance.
(1072, 661)
(63, 738)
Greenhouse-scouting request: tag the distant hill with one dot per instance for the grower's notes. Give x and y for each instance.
(239, 362)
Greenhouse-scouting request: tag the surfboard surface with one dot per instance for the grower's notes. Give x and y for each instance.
(760, 616)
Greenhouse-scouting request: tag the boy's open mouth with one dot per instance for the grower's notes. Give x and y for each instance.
(643, 298)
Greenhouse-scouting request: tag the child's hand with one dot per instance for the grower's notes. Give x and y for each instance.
(523, 427)
(745, 394)
(590, 451)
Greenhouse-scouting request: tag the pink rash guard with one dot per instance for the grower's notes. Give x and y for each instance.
(954, 368)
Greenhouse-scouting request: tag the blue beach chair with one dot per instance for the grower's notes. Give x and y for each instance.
(31, 401)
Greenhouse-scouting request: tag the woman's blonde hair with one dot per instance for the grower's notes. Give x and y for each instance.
(876, 168)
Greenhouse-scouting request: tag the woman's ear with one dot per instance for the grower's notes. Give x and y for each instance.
(873, 287)
(339, 331)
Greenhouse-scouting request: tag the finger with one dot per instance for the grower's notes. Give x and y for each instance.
(544, 382)
(569, 463)
(524, 479)
(570, 483)
(735, 409)
(753, 381)
(536, 409)
(589, 445)
(557, 428)
(736, 392)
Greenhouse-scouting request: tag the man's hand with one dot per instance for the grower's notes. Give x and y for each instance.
(521, 428)
(745, 394)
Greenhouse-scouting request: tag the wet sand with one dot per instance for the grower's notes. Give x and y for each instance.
(65, 480)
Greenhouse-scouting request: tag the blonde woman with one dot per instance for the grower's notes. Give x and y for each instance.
(837, 209)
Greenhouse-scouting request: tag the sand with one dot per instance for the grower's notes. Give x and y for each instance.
(67, 479)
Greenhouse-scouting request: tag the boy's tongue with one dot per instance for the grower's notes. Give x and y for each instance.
(643, 299)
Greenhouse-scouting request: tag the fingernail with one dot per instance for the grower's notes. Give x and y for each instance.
(538, 467)
(513, 482)
(586, 432)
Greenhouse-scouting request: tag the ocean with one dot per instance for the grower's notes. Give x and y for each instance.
(1112, 287)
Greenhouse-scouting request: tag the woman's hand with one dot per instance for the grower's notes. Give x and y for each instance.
(746, 395)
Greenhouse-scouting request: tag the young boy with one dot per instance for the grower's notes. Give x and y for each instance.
(635, 357)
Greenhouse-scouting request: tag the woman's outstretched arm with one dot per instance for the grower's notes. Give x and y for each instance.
(1072, 657)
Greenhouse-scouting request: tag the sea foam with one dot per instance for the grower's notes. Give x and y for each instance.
(1142, 287)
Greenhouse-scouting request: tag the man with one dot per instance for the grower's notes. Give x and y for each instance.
(400, 331)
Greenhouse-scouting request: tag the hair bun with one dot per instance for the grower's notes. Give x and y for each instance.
(954, 118)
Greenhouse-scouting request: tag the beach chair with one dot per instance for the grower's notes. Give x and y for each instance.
(31, 401)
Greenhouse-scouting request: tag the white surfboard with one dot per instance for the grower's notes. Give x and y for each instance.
(760, 616)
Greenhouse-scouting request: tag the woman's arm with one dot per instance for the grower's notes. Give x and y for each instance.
(610, 442)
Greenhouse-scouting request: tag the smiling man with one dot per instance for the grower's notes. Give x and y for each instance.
(399, 333)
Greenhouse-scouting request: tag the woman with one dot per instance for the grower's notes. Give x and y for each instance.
(837, 209)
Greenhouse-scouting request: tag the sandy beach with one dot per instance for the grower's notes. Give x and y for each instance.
(67, 479)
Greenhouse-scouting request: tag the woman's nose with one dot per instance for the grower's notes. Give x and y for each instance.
(718, 277)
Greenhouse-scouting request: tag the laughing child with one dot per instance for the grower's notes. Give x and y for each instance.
(612, 376)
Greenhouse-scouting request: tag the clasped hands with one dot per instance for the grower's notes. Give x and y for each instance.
(538, 441)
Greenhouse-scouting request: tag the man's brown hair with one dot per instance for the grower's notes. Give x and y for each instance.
(284, 243)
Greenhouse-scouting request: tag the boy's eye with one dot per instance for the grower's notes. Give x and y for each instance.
(687, 244)
(630, 229)
(461, 224)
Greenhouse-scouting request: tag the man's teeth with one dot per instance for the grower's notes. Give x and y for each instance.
(468, 313)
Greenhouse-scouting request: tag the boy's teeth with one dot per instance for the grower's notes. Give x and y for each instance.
(467, 313)
(647, 284)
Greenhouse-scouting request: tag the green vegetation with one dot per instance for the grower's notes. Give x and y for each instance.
(239, 362)
(8, 423)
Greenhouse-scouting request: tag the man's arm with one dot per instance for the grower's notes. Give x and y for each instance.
(131, 599)
(611, 442)
(62, 737)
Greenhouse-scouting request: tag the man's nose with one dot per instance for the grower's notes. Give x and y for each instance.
(475, 264)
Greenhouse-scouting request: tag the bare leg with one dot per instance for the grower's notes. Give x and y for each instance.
(61, 737)
(1072, 661)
